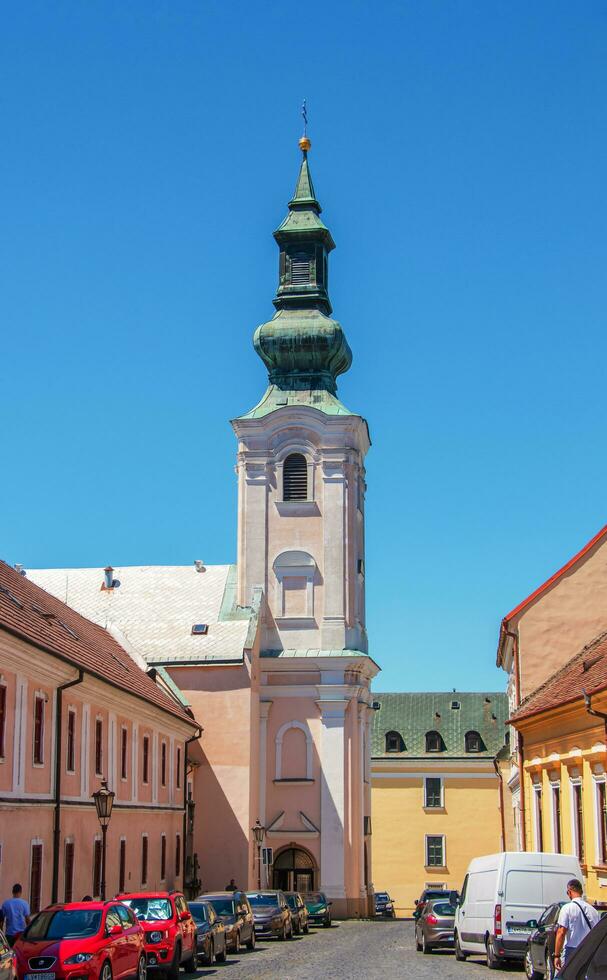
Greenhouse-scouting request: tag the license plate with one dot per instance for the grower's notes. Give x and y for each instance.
(521, 930)
(39, 976)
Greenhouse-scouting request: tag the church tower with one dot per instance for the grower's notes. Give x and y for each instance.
(301, 454)
(301, 492)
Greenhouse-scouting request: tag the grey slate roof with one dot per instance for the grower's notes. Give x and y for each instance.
(412, 715)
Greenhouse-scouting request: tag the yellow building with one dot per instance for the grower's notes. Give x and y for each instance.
(436, 789)
(564, 753)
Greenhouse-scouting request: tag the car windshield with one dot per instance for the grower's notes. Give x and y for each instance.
(199, 911)
(292, 901)
(316, 898)
(261, 898)
(382, 897)
(65, 924)
(442, 908)
(150, 909)
(223, 906)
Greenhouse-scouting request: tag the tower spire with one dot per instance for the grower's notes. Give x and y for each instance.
(302, 347)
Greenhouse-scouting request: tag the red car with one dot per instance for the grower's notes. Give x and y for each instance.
(170, 930)
(82, 941)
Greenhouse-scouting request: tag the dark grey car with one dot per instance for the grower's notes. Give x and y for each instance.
(234, 909)
(435, 925)
(299, 913)
(272, 914)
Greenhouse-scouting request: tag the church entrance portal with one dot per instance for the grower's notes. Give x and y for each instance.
(294, 871)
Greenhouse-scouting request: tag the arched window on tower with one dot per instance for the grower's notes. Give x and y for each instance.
(434, 742)
(295, 477)
(394, 742)
(474, 742)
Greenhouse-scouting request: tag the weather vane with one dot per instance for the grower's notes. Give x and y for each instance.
(304, 142)
(304, 112)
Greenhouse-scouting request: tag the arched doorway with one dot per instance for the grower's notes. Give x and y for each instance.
(294, 870)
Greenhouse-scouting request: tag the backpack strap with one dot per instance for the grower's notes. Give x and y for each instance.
(581, 908)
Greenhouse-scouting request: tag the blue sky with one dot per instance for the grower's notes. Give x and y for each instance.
(459, 151)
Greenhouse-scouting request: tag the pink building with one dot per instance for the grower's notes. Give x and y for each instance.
(272, 652)
(75, 708)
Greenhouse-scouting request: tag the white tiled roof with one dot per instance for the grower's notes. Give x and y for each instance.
(154, 608)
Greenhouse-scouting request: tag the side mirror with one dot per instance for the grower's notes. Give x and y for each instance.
(453, 899)
(417, 901)
(184, 915)
(531, 924)
(115, 930)
(329, 903)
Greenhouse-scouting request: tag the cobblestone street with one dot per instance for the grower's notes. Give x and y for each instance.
(369, 950)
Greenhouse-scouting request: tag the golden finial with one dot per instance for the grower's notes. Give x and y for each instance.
(304, 142)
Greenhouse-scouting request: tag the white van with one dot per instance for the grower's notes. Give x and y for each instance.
(501, 893)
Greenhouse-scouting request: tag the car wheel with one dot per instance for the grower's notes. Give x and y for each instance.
(327, 924)
(283, 934)
(190, 964)
(492, 961)
(222, 957)
(530, 971)
(550, 970)
(237, 943)
(251, 942)
(173, 970)
(142, 968)
(206, 957)
(426, 947)
(306, 929)
(459, 953)
(106, 972)
(418, 945)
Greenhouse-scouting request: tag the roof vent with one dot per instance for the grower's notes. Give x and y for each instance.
(200, 629)
(455, 705)
(109, 582)
(20, 569)
(199, 565)
(437, 714)
(9, 595)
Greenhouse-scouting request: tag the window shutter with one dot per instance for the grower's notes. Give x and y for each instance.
(36, 877)
(122, 866)
(68, 871)
(295, 477)
(300, 269)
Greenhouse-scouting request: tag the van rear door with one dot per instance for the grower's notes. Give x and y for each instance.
(523, 896)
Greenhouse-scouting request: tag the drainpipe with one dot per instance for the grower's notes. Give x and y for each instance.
(520, 741)
(188, 742)
(57, 821)
(593, 711)
(498, 773)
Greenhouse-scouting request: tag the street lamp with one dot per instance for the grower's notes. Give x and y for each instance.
(259, 834)
(104, 801)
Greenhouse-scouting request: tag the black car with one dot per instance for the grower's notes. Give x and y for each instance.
(299, 913)
(272, 914)
(211, 940)
(590, 958)
(539, 956)
(235, 912)
(319, 909)
(384, 905)
(8, 968)
(429, 893)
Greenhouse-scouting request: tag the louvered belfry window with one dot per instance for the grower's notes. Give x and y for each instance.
(300, 269)
(295, 477)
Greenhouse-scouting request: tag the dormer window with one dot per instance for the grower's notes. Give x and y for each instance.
(394, 742)
(295, 477)
(434, 742)
(474, 742)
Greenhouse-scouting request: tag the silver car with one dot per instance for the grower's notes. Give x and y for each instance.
(434, 927)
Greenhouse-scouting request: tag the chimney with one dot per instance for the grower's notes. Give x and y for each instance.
(108, 577)
(199, 565)
(20, 569)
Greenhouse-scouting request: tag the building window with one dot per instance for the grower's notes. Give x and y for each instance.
(36, 877)
(98, 747)
(578, 815)
(163, 857)
(122, 865)
(434, 742)
(39, 730)
(435, 851)
(295, 477)
(146, 759)
(394, 742)
(97, 867)
(70, 760)
(474, 742)
(556, 818)
(602, 820)
(433, 792)
(124, 754)
(539, 823)
(178, 763)
(177, 855)
(163, 764)
(144, 859)
(68, 871)
(2, 721)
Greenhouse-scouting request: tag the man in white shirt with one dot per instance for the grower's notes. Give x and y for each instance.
(576, 919)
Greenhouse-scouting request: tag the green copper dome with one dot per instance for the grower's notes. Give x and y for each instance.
(302, 347)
